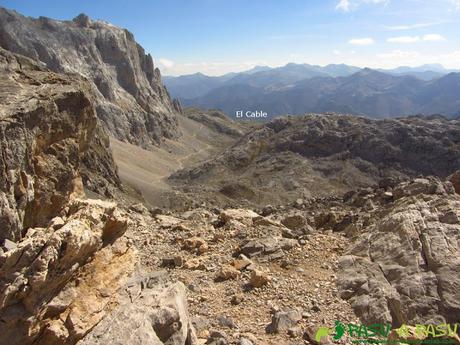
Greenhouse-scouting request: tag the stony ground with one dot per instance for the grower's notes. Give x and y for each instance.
(200, 248)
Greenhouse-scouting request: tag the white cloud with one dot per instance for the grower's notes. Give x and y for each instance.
(456, 4)
(348, 5)
(399, 55)
(434, 38)
(343, 5)
(209, 67)
(412, 26)
(414, 58)
(404, 39)
(361, 41)
(336, 52)
(167, 64)
(413, 39)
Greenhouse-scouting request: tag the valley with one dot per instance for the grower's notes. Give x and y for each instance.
(127, 217)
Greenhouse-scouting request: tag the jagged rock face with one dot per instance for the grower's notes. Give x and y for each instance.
(65, 259)
(47, 121)
(40, 300)
(99, 171)
(404, 268)
(131, 100)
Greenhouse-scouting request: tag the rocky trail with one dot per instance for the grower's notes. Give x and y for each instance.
(233, 296)
(276, 276)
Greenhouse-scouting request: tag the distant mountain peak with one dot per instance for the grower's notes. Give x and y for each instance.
(257, 68)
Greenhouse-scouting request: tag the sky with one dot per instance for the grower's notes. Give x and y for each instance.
(215, 37)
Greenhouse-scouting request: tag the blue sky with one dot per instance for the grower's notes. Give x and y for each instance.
(219, 36)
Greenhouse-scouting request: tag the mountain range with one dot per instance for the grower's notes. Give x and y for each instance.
(126, 219)
(302, 88)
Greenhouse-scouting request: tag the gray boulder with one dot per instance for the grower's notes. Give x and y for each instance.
(405, 267)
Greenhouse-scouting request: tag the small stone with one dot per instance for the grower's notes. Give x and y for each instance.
(218, 335)
(294, 222)
(227, 272)
(9, 245)
(259, 278)
(316, 308)
(267, 210)
(237, 299)
(245, 341)
(284, 320)
(295, 332)
(242, 262)
(306, 315)
(179, 261)
(194, 264)
(225, 321)
(196, 245)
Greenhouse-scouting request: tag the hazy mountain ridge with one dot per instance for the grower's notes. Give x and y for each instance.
(301, 88)
(366, 92)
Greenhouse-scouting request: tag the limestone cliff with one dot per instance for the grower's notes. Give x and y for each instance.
(131, 100)
(47, 121)
(64, 261)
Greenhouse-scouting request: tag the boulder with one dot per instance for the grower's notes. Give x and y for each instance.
(294, 222)
(154, 313)
(282, 321)
(241, 215)
(405, 266)
(38, 291)
(227, 272)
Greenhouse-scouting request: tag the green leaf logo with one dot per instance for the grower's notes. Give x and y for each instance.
(339, 330)
(322, 332)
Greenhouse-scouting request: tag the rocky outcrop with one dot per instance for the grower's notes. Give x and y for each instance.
(64, 261)
(320, 155)
(47, 122)
(131, 100)
(152, 311)
(60, 281)
(99, 170)
(216, 120)
(404, 267)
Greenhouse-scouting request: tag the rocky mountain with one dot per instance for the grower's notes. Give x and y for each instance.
(65, 263)
(367, 92)
(193, 85)
(131, 101)
(215, 120)
(266, 232)
(319, 155)
(47, 123)
(196, 86)
(424, 72)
